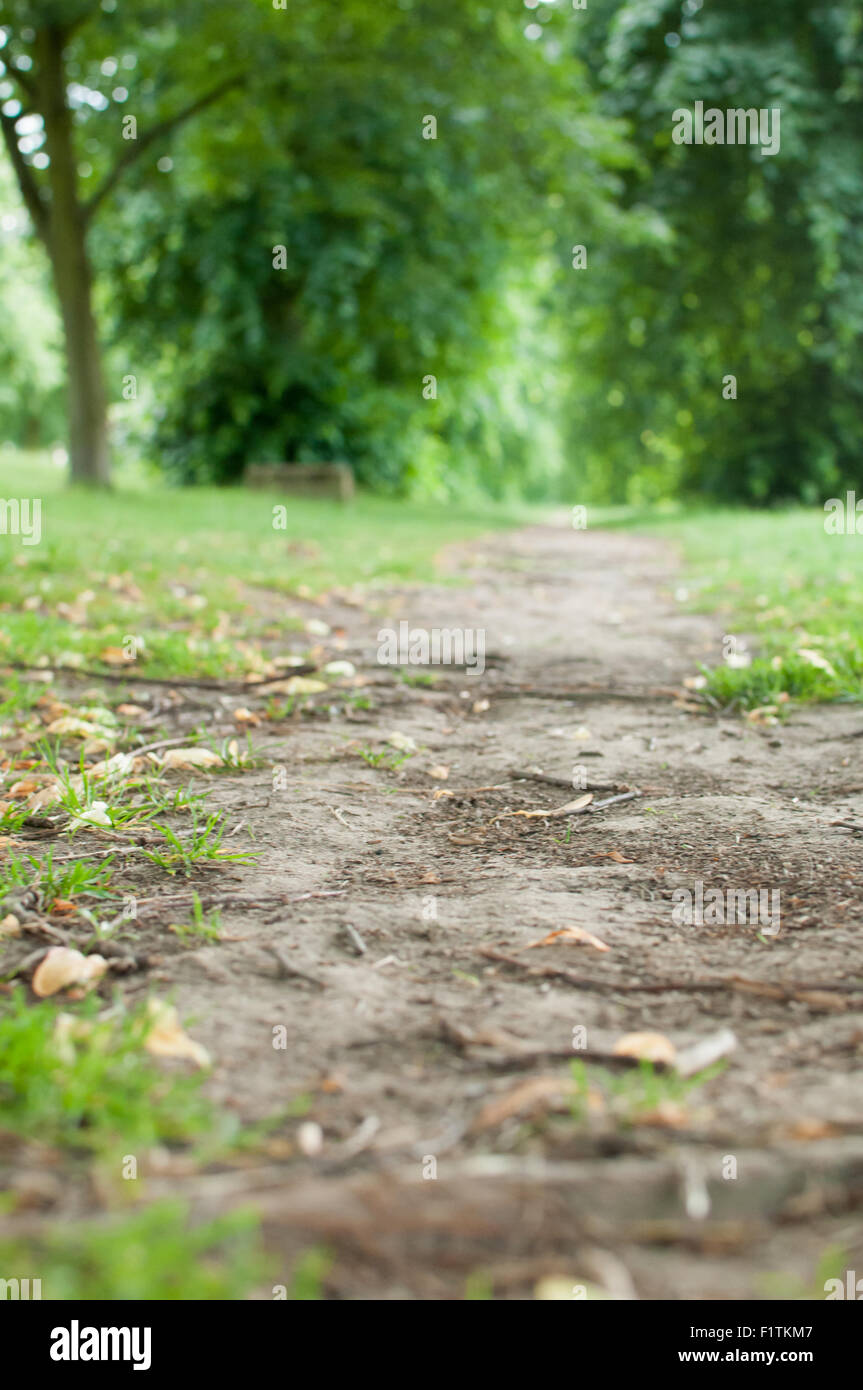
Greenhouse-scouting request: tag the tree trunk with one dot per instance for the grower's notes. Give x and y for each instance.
(70, 266)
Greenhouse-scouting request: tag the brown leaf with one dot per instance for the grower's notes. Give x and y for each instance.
(537, 1094)
(574, 935)
(114, 656)
(647, 1047)
(186, 758)
(61, 967)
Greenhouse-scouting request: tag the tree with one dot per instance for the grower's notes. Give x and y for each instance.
(43, 55)
(755, 271)
(425, 172)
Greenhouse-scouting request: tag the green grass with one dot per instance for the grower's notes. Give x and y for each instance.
(781, 582)
(153, 1254)
(94, 1089)
(163, 564)
(638, 1091)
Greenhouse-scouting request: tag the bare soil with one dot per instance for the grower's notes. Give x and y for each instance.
(438, 1059)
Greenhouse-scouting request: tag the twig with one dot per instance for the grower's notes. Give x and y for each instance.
(584, 692)
(355, 938)
(287, 969)
(735, 983)
(133, 678)
(611, 800)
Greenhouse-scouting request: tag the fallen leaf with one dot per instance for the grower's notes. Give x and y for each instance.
(647, 1047)
(310, 1138)
(62, 967)
(97, 814)
(440, 773)
(816, 659)
(79, 728)
(810, 1128)
(246, 716)
(568, 809)
(705, 1052)
(10, 926)
(538, 1093)
(403, 742)
(667, 1114)
(575, 935)
(190, 757)
(765, 714)
(165, 1037)
(114, 656)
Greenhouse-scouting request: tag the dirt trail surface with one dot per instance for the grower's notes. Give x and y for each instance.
(385, 923)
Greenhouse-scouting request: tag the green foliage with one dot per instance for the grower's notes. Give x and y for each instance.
(91, 1086)
(155, 1253)
(756, 267)
(790, 590)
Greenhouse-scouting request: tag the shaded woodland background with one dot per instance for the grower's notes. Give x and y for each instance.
(408, 257)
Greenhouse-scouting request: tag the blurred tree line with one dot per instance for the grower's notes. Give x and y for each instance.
(290, 260)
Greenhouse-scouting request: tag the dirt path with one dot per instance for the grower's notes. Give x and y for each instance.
(441, 1075)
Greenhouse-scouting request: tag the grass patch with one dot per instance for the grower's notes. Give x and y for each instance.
(634, 1092)
(153, 1254)
(171, 566)
(82, 1082)
(781, 582)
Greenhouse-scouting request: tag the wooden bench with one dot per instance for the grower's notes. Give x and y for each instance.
(303, 479)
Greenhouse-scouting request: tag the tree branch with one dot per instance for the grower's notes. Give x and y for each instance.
(137, 147)
(33, 200)
(19, 75)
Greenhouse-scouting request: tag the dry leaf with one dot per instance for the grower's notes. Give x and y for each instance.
(62, 967)
(245, 716)
(132, 711)
(440, 773)
(540, 1092)
(165, 1037)
(573, 935)
(403, 742)
(10, 926)
(97, 814)
(79, 728)
(816, 659)
(190, 758)
(114, 656)
(810, 1128)
(310, 1138)
(765, 714)
(46, 797)
(647, 1047)
(667, 1114)
(566, 810)
(705, 1052)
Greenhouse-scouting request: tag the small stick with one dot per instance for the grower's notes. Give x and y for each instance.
(610, 800)
(288, 969)
(133, 678)
(356, 938)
